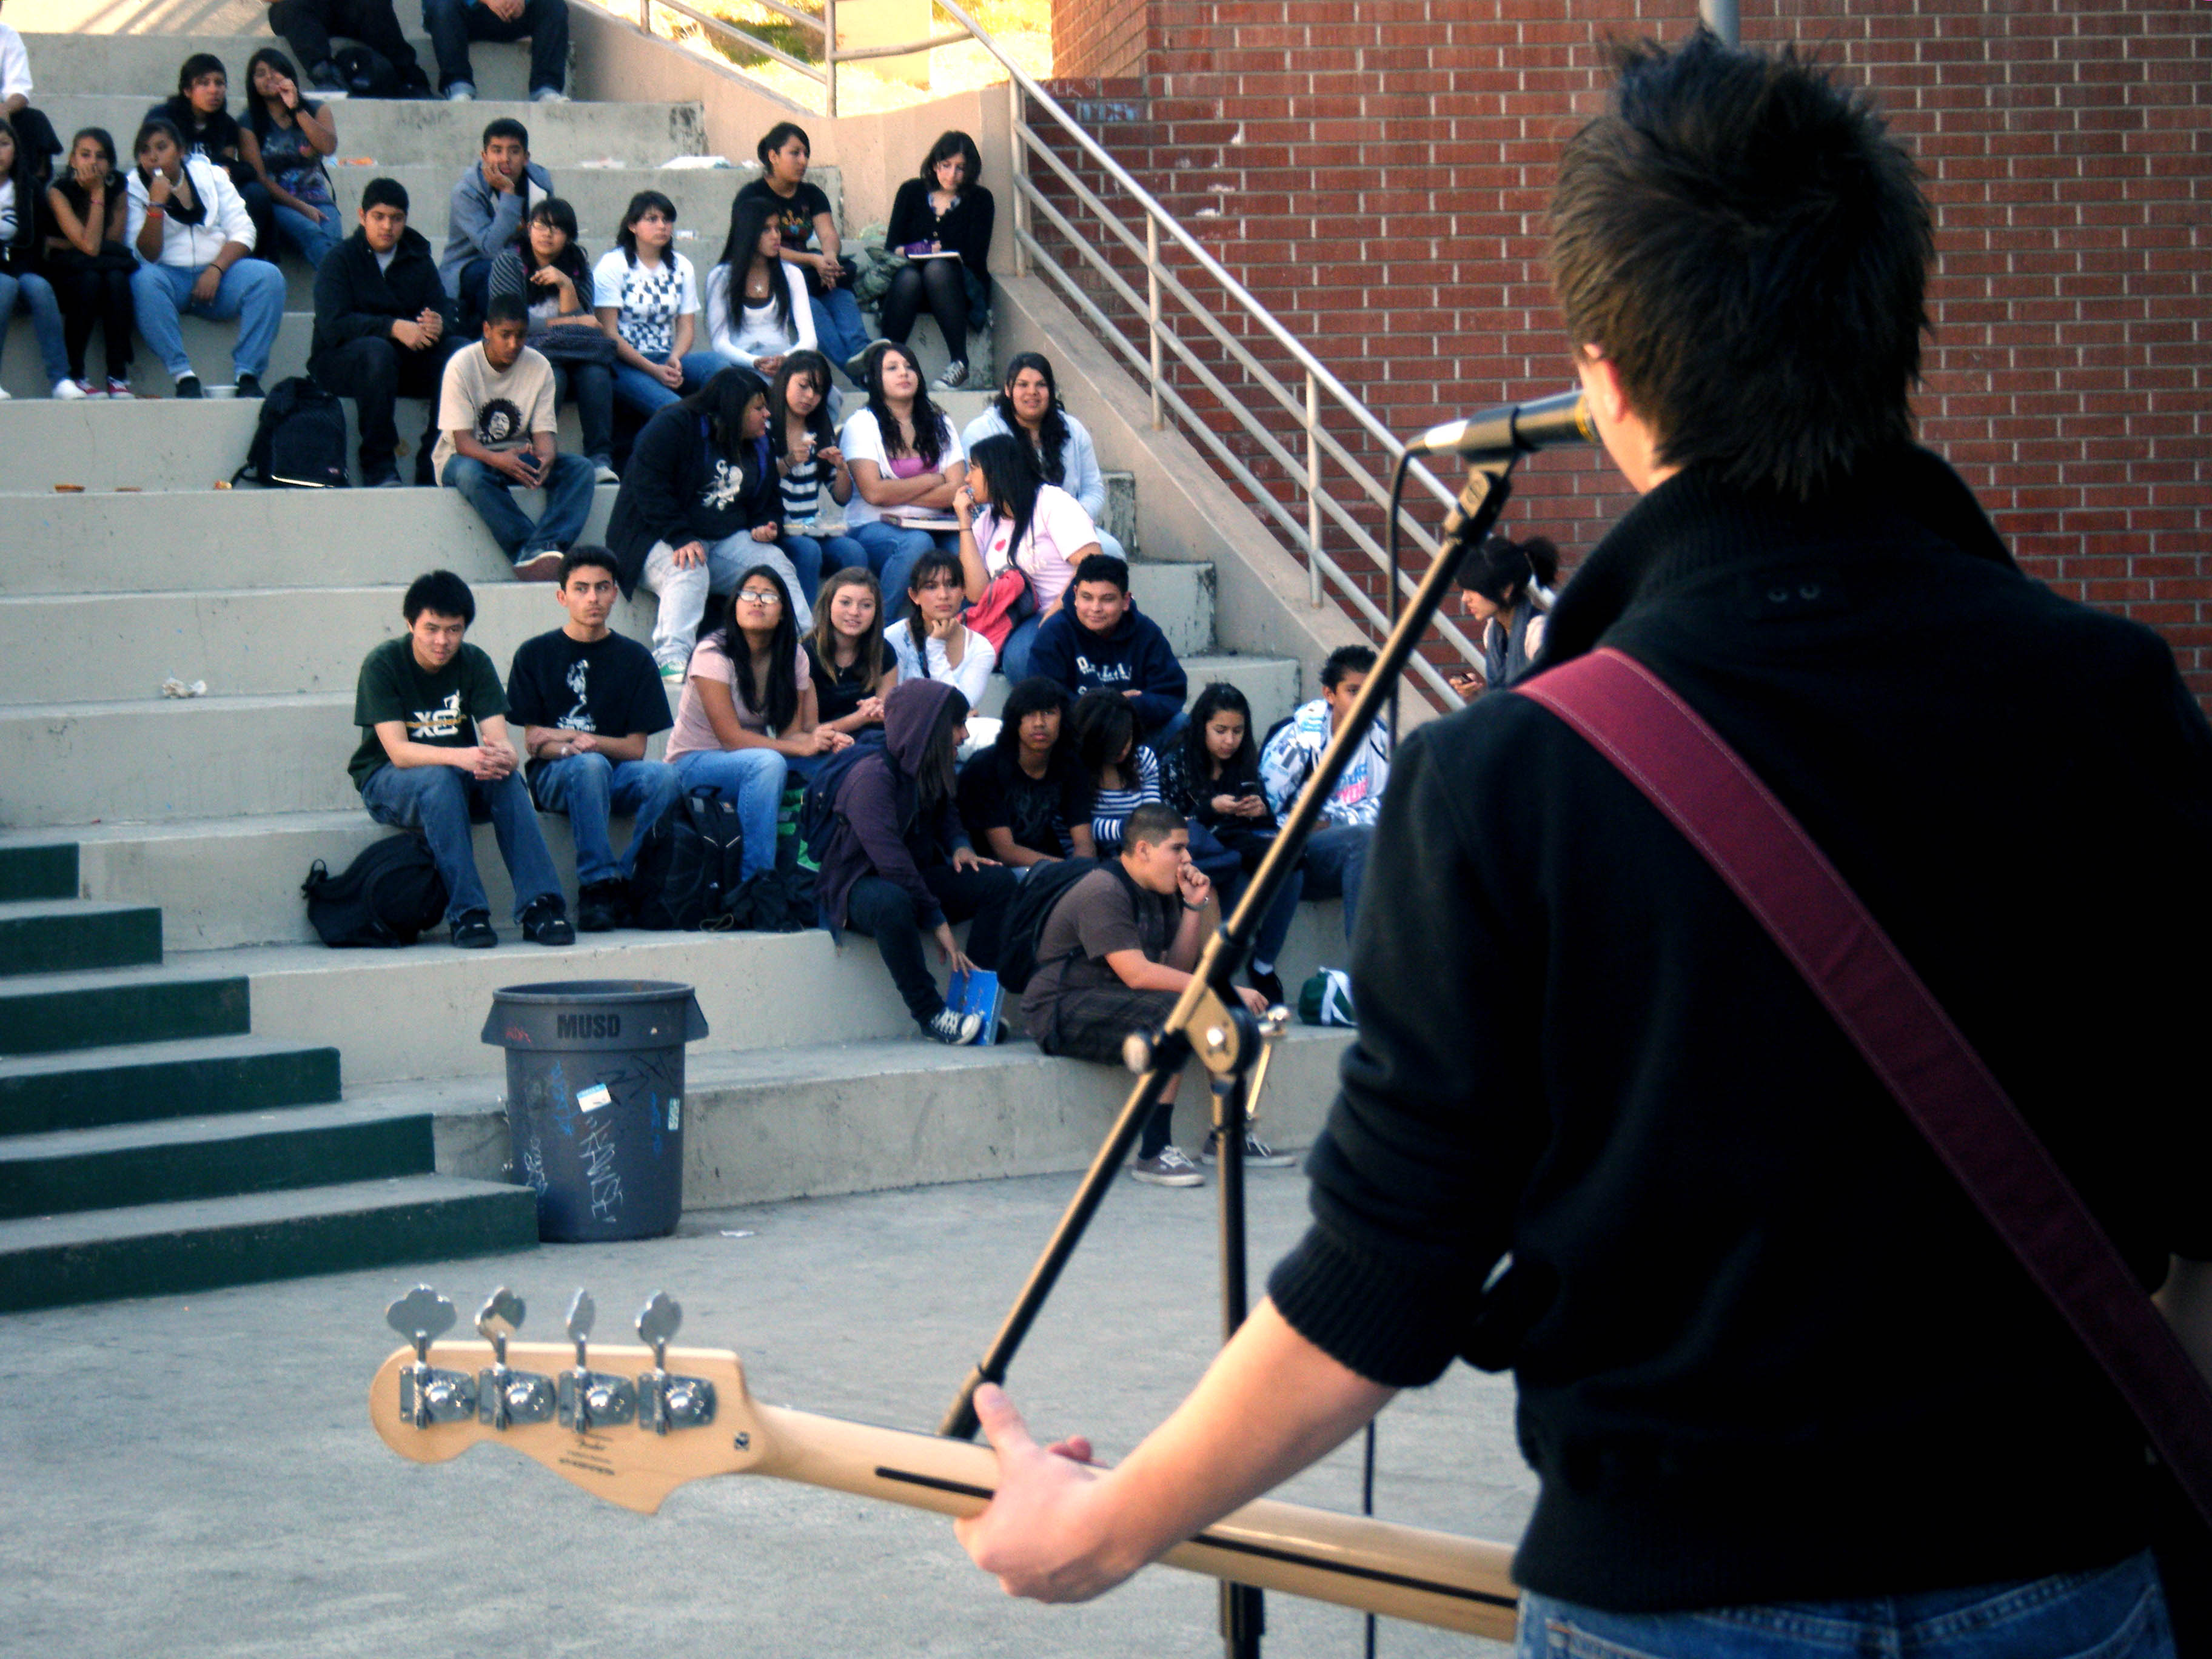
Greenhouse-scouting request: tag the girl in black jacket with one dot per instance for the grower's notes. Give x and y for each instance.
(89, 261)
(945, 210)
(201, 113)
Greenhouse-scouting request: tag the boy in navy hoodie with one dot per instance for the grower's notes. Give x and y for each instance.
(1100, 641)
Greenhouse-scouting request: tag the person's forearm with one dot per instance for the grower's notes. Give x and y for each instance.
(408, 756)
(464, 443)
(229, 255)
(2186, 1299)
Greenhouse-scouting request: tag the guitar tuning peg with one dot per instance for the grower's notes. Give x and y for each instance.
(658, 1322)
(500, 1318)
(422, 1316)
(581, 1312)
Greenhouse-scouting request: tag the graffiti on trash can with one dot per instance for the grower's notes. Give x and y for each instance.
(533, 1167)
(596, 1152)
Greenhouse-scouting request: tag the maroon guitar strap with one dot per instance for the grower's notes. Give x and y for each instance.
(1689, 773)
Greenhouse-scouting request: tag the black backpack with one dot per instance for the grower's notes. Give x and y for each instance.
(384, 897)
(1041, 890)
(299, 443)
(688, 873)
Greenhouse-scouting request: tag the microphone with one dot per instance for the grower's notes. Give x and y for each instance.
(1511, 429)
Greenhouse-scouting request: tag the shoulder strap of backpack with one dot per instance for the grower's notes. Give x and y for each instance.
(1687, 770)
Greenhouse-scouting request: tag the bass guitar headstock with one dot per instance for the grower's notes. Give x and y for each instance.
(629, 1424)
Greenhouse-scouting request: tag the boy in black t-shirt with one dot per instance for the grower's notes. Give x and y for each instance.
(589, 701)
(435, 752)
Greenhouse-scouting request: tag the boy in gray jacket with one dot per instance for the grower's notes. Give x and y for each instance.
(485, 215)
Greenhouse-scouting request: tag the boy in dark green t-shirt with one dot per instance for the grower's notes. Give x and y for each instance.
(435, 751)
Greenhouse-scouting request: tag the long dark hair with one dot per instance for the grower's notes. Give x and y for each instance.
(815, 368)
(24, 176)
(928, 439)
(258, 115)
(940, 758)
(778, 704)
(1031, 696)
(1219, 697)
(948, 145)
(1010, 474)
(645, 202)
(749, 217)
(933, 562)
(1501, 567)
(1102, 730)
(65, 181)
(721, 404)
(1051, 451)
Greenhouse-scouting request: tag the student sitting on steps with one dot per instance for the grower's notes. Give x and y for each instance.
(22, 278)
(193, 234)
(284, 140)
(89, 262)
(200, 111)
(486, 213)
(435, 752)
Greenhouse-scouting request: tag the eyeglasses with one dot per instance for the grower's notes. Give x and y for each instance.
(763, 599)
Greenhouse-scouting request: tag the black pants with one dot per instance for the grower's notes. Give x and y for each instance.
(886, 913)
(374, 372)
(90, 297)
(940, 285)
(308, 25)
(453, 23)
(593, 387)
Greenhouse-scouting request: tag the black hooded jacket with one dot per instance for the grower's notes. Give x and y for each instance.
(355, 299)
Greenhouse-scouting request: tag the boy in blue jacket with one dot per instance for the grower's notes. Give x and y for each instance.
(1100, 641)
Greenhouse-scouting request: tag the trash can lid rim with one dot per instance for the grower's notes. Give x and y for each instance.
(593, 990)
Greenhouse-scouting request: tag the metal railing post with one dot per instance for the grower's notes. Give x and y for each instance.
(1313, 491)
(1017, 126)
(1152, 307)
(829, 56)
(645, 16)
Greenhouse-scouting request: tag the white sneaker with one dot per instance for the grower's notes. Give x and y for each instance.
(548, 95)
(672, 674)
(69, 390)
(460, 93)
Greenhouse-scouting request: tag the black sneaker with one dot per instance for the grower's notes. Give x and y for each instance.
(1269, 985)
(190, 387)
(602, 908)
(249, 386)
(384, 477)
(472, 931)
(546, 922)
(953, 1027)
(324, 81)
(1258, 1154)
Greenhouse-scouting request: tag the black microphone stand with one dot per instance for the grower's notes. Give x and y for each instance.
(1229, 1040)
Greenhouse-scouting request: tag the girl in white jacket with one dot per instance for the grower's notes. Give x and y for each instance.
(191, 234)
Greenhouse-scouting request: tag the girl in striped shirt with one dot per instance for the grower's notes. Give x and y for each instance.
(1121, 773)
(808, 463)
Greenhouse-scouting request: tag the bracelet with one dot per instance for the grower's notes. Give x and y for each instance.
(155, 210)
(1192, 908)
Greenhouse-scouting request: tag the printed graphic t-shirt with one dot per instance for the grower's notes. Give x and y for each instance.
(500, 411)
(649, 298)
(441, 709)
(608, 686)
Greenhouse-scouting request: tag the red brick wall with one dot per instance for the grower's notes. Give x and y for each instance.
(1376, 171)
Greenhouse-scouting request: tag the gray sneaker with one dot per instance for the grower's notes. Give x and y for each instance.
(1258, 1154)
(1170, 1168)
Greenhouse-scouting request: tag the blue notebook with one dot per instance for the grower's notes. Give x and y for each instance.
(976, 993)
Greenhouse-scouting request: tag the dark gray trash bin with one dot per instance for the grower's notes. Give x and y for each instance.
(595, 1101)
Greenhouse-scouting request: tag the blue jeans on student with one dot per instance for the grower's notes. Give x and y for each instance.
(816, 556)
(441, 801)
(452, 24)
(568, 504)
(2114, 1613)
(892, 552)
(752, 778)
(311, 239)
(1336, 859)
(837, 325)
(1225, 865)
(252, 290)
(647, 392)
(589, 788)
(36, 295)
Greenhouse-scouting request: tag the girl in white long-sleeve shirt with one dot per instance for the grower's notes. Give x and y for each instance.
(930, 641)
(756, 309)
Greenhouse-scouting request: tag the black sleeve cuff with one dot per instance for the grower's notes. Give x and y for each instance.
(1365, 1314)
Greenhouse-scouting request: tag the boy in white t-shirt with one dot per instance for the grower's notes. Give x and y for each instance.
(496, 430)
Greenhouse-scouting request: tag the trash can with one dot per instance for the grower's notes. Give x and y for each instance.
(595, 1101)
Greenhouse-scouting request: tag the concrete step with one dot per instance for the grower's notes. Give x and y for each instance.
(74, 935)
(56, 1013)
(817, 1119)
(138, 1082)
(398, 132)
(161, 1249)
(148, 63)
(32, 870)
(161, 759)
(204, 1158)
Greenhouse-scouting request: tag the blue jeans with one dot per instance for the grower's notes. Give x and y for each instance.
(891, 553)
(816, 556)
(568, 504)
(1165, 736)
(452, 24)
(837, 325)
(36, 295)
(253, 291)
(2115, 1613)
(645, 392)
(753, 778)
(439, 801)
(313, 240)
(1225, 864)
(1336, 859)
(589, 788)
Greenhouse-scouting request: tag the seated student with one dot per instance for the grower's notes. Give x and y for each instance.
(698, 509)
(22, 240)
(1336, 853)
(1024, 799)
(200, 111)
(284, 141)
(1117, 772)
(851, 665)
(1028, 407)
(756, 309)
(496, 429)
(89, 262)
(1212, 776)
(384, 329)
(906, 461)
(648, 299)
(931, 641)
(435, 752)
(899, 865)
(802, 438)
(944, 210)
(747, 715)
(547, 270)
(307, 26)
(192, 234)
(1009, 517)
(33, 128)
(1507, 591)
(1100, 641)
(1113, 957)
(810, 242)
(485, 213)
(453, 23)
(589, 701)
